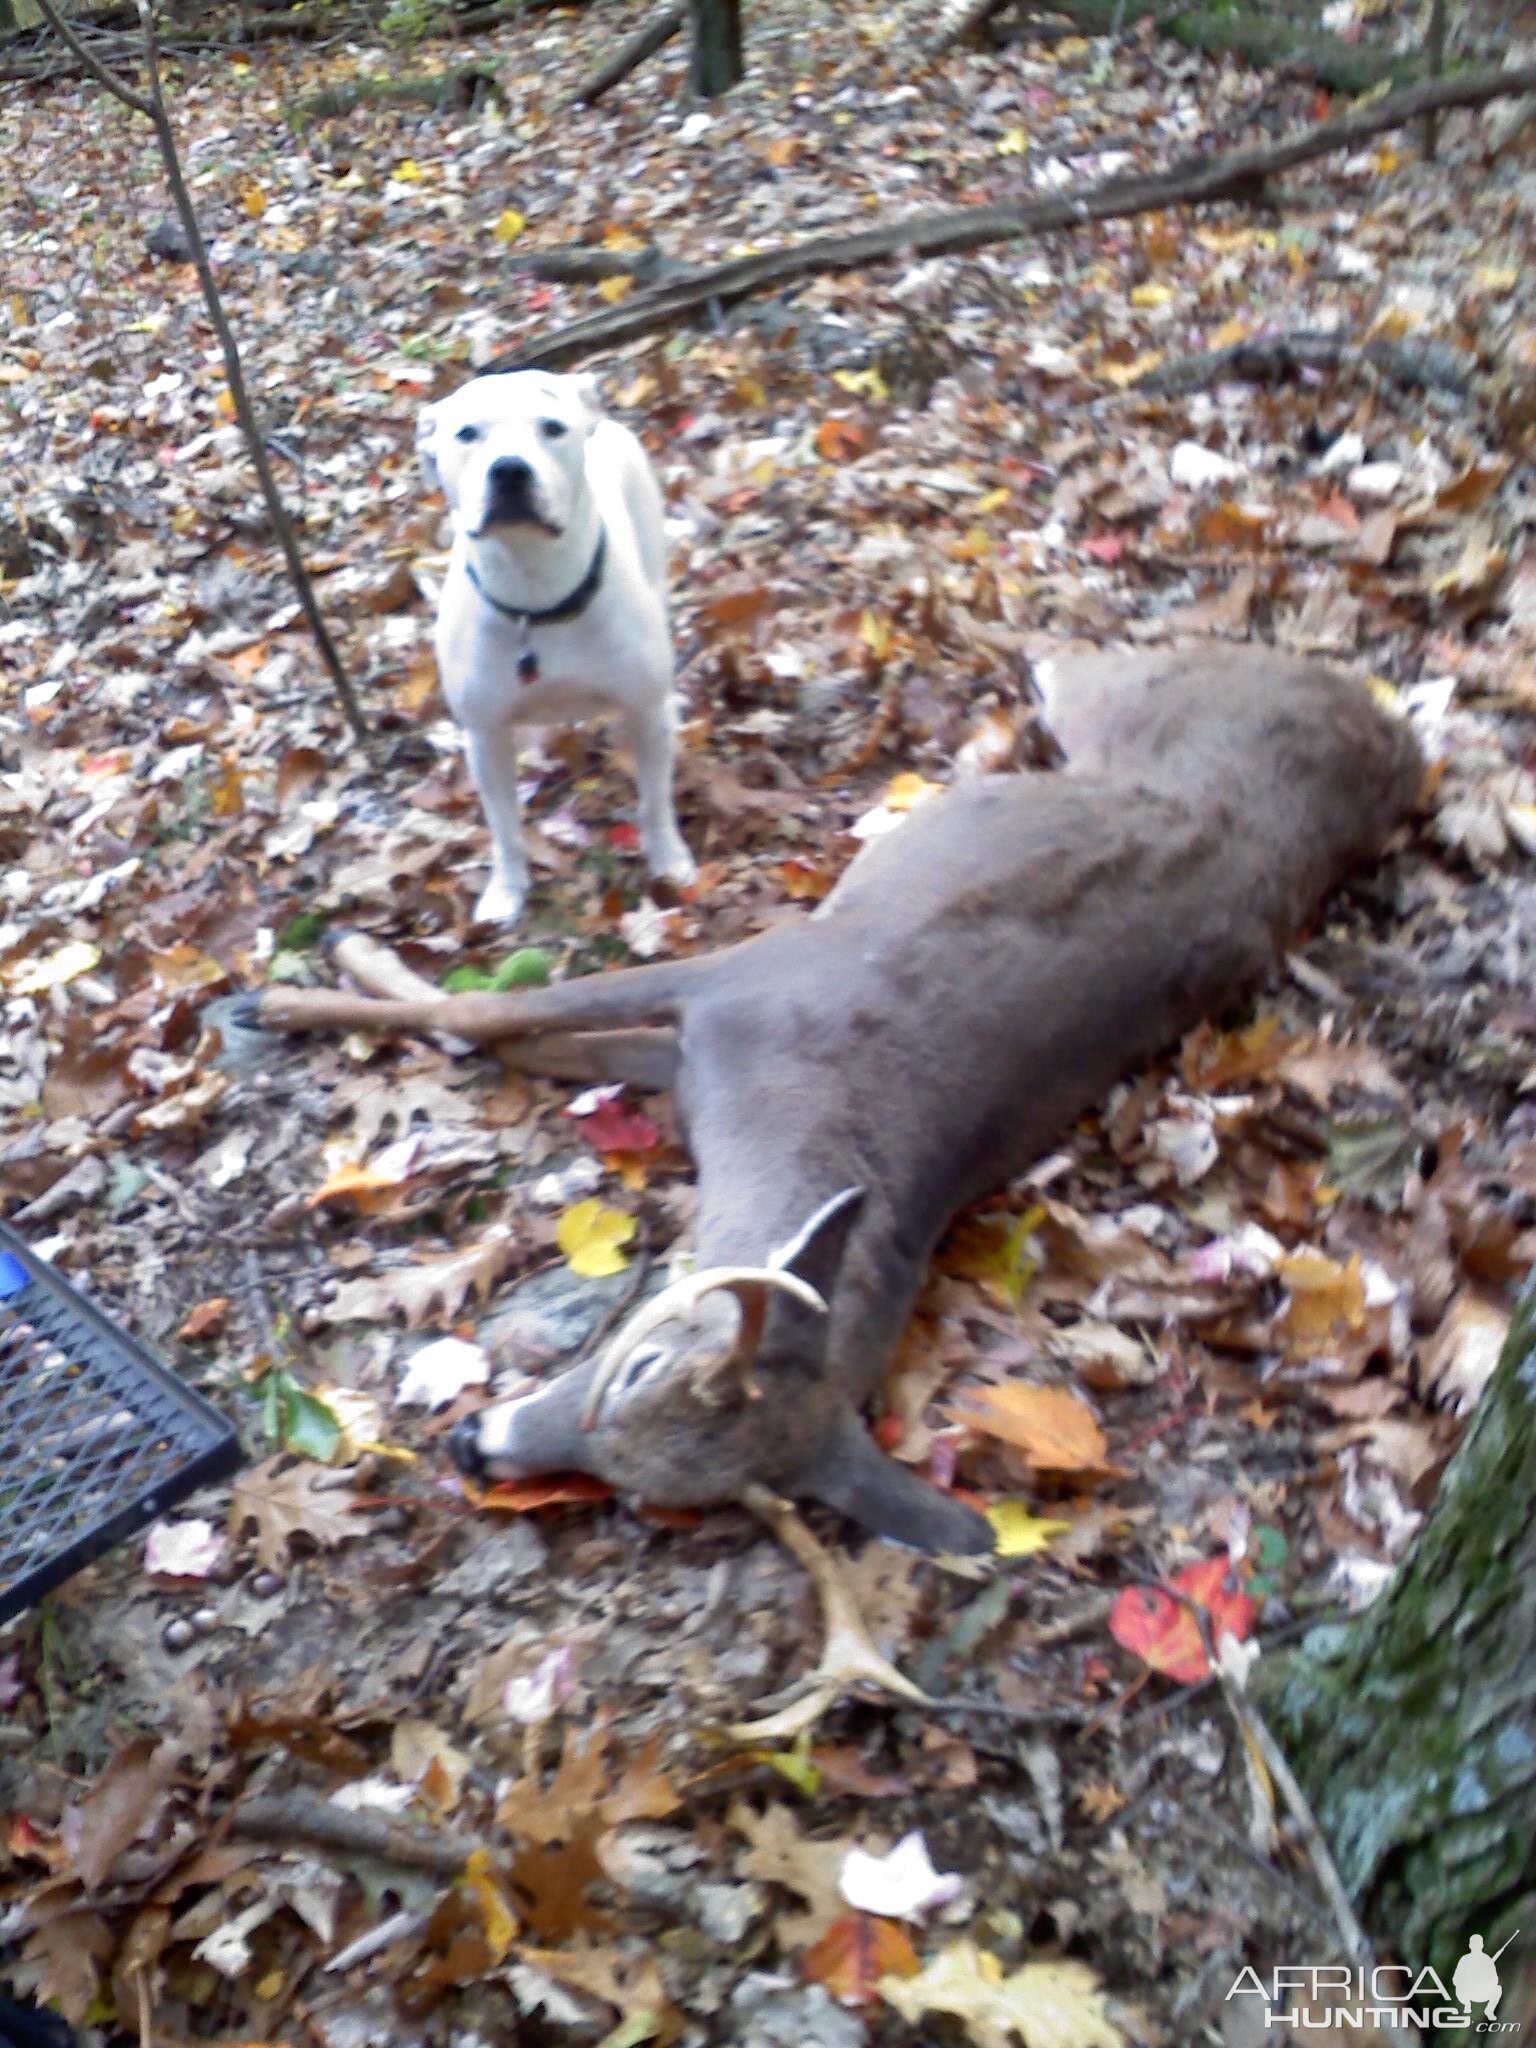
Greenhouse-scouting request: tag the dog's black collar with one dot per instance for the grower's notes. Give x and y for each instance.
(570, 607)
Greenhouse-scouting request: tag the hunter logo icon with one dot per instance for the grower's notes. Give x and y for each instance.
(1476, 1981)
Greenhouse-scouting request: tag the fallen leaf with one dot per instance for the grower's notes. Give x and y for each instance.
(1047, 2005)
(432, 1288)
(1160, 1629)
(1052, 1427)
(590, 1236)
(1020, 1533)
(123, 1802)
(206, 1320)
(902, 1884)
(855, 1953)
(524, 1496)
(283, 1504)
(1323, 1298)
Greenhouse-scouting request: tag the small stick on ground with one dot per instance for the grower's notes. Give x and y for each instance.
(647, 40)
(152, 106)
(289, 1817)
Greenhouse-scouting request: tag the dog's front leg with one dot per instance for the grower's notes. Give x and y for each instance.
(493, 764)
(653, 744)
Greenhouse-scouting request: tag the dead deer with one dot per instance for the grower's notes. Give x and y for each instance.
(846, 1082)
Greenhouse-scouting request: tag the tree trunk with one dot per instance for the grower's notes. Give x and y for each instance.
(1413, 1728)
(717, 62)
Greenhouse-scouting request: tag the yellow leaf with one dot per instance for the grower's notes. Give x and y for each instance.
(1387, 160)
(1049, 2005)
(862, 383)
(35, 977)
(1071, 47)
(409, 172)
(875, 632)
(590, 1236)
(498, 1922)
(1323, 1297)
(1018, 1532)
(1151, 294)
(1124, 374)
(1014, 143)
(622, 239)
(907, 791)
(1497, 277)
(1228, 334)
(509, 225)
(615, 288)
(994, 501)
(254, 201)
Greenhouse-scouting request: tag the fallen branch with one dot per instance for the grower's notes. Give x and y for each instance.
(151, 105)
(290, 1817)
(1196, 181)
(1270, 359)
(660, 29)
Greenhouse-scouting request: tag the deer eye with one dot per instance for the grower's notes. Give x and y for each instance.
(553, 430)
(467, 434)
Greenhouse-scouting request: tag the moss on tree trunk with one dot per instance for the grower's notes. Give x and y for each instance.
(1413, 1728)
(716, 63)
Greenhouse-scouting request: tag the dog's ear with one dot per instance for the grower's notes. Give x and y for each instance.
(426, 439)
(590, 392)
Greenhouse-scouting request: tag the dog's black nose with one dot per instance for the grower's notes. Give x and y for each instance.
(509, 476)
(464, 1447)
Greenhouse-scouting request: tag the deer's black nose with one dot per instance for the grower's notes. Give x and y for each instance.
(464, 1447)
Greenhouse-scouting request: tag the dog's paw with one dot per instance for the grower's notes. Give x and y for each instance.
(500, 902)
(673, 863)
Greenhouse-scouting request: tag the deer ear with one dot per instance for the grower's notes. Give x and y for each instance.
(817, 1249)
(852, 1475)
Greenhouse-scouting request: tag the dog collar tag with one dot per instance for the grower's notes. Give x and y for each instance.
(528, 666)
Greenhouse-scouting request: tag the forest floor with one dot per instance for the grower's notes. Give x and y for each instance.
(1267, 1282)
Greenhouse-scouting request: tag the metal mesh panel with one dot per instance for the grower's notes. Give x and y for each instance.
(97, 1437)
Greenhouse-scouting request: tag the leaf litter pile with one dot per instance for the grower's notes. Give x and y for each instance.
(339, 1755)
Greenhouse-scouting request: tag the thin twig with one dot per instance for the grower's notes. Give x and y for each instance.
(152, 107)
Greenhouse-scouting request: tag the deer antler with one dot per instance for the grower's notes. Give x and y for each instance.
(749, 1284)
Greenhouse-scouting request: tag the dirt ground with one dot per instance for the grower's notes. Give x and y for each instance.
(1275, 1272)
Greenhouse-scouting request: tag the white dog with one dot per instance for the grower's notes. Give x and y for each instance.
(555, 603)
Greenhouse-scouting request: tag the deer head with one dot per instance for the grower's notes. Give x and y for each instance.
(721, 1381)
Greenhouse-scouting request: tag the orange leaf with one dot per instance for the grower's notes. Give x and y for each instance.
(1054, 1429)
(522, 1496)
(839, 439)
(1232, 526)
(205, 1319)
(803, 881)
(855, 1953)
(1162, 1631)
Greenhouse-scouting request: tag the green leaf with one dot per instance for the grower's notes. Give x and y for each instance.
(306, 1425)
(796, 1765)
(303, 933)
(528, 967)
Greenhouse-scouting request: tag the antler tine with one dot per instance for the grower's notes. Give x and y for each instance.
(748, 1283)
